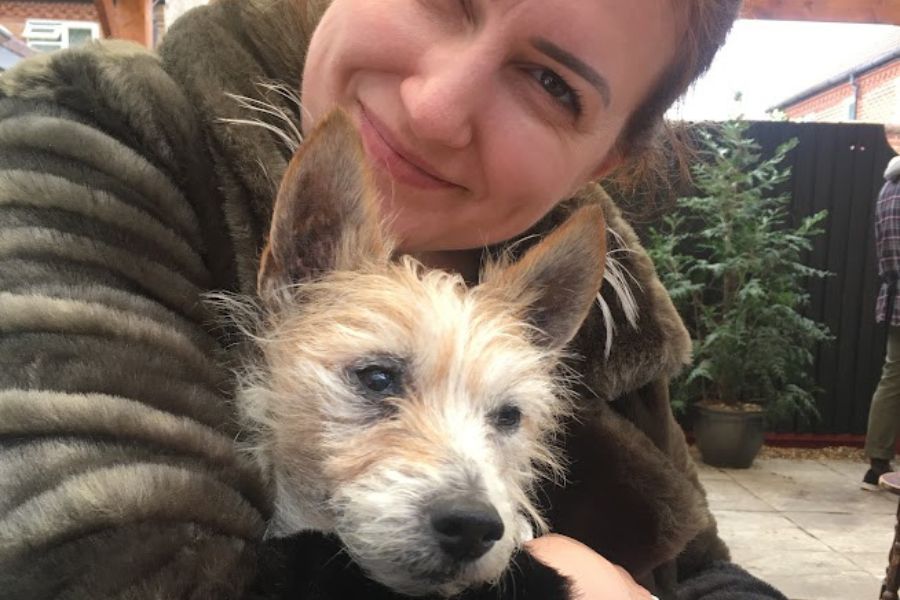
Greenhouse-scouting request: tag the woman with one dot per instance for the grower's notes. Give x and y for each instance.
(130, 187)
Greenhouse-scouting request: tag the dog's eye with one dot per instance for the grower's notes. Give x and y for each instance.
(378, 379)
(507, 418)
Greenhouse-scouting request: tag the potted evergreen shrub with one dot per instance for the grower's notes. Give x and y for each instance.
(731, 262)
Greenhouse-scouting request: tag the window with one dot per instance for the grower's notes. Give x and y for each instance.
(45, 35)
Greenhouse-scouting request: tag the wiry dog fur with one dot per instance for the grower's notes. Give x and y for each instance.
(367, 467)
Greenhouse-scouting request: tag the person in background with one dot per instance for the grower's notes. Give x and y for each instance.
(884, 413)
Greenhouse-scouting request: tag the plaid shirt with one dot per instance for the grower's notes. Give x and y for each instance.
(887, 247)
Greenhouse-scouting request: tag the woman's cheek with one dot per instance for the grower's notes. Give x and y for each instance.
(531, 175)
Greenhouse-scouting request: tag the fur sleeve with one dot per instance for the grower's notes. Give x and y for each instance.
(118, 476)
(726, 581)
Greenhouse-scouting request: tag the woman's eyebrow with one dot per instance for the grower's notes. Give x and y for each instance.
(575, 64)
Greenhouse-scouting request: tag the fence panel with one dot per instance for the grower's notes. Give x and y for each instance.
(838, 167)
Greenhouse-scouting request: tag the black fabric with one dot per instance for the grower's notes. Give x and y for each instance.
(726, 581)
(312, 566)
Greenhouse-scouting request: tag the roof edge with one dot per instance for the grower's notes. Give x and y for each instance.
(839, 78)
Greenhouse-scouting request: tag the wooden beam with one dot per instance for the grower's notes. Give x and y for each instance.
(848, 11)
(127, 20)
(132, 19)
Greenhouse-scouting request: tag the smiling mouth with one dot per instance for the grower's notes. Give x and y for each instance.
(399, 165)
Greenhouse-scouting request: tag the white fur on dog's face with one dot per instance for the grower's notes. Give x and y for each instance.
(367, 467)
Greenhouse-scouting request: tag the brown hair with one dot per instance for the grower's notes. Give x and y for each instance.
(646, 141)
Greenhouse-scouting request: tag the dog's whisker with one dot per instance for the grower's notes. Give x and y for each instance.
(290, 136)
(335, 556)
(266, 106)
(289, 94)
(285, 138)
(617, 277)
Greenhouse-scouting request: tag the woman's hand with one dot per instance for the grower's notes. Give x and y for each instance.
(594, 577)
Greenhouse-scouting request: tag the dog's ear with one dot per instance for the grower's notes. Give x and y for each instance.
(559, 277)
(326, 213)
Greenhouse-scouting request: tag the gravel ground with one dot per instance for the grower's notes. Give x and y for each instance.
(828, 453)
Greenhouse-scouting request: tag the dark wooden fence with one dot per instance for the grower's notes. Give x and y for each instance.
(838, 167)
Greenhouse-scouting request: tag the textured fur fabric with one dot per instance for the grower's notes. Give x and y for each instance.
(724, 581)
(125, 194)
(118, 474)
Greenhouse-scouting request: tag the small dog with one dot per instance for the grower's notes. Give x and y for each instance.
(394, 406)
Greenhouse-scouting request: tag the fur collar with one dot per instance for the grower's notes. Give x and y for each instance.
(892, 171)
(634, 335)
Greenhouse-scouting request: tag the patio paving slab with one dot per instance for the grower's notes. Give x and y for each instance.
(745, 530)
(730, 493)
(800, 565)
(805, 526)
(852, 532)
(849, 468)
(708, 473)
(874, 563)
(842, 586)
(811, 487)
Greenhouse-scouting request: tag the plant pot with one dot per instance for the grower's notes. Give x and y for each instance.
(728, 438)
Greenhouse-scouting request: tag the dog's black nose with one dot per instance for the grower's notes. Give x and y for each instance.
(465, 529)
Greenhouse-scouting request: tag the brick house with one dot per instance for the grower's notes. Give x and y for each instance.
(46, 25)
(869, 91)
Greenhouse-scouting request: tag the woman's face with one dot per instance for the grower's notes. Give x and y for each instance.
(480, 115)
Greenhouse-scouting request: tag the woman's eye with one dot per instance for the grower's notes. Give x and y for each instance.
(557, 88)
(380, 380)
(507, 418)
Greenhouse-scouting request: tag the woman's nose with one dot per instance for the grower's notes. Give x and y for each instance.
(444, 97)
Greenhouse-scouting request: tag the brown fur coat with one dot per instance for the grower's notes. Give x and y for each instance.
(124, 195)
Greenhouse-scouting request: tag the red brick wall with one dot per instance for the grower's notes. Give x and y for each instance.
(878, 101)
(13, 13)
(880, 94)
(828, 105)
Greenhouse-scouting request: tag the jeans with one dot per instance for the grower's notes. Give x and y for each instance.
(884, 413)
